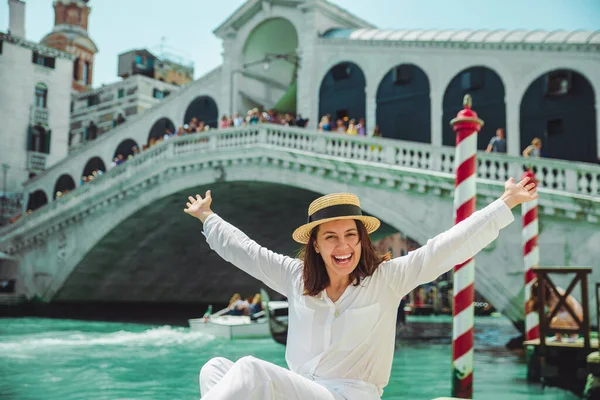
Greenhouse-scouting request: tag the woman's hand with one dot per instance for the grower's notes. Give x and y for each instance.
(522, 192)
(199, 207)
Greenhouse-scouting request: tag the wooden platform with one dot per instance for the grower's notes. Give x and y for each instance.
(564, 344)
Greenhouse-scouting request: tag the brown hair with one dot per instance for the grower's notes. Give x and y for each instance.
(314, 273)
(533, 299)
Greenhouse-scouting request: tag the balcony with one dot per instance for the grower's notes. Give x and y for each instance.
(36, 162)
(39, 115)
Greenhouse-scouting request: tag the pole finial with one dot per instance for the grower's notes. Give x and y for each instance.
(467, 101)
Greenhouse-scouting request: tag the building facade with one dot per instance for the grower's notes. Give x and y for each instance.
(98, 111)
(70, 34)
(34, 108)
(166, 68)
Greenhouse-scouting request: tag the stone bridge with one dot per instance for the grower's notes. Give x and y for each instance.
(124, 236)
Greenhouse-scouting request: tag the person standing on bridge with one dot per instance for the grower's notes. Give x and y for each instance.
(343, 296)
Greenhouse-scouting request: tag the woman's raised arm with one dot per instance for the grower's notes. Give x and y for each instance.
(275, 270)
(459, 243)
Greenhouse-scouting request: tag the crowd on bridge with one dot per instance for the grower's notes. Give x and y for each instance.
(346, 125)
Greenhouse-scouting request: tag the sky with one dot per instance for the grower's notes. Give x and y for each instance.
(185, 26)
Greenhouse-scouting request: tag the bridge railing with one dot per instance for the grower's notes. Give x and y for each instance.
(565, 176)
(568, 177)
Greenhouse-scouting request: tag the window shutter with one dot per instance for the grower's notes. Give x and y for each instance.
(30, 134)
(47, 142)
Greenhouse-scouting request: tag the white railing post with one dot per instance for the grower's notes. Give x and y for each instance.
(389, 154)
(263, 133)
(571, 184)
(319, 144)
(212, 141)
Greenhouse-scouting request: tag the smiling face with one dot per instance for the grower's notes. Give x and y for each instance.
(339, 245)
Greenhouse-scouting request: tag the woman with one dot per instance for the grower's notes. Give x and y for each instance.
(563, 318)
(255, 305)
(534, 149)
(236, 305)
(352, 130)
(224, 122)
(343, 297)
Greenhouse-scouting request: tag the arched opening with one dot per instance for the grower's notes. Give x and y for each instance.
(64, 185)
(159, 129)
(269, 66)
(126, 148)
(342, 93)
(487, 91)
(94, 167)
(36, 200)
(559, 107)
(403, 105)
(204, 109)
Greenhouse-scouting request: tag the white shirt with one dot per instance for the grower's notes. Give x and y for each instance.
(353, 338)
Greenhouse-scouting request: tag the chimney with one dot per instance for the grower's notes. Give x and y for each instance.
(16, 24)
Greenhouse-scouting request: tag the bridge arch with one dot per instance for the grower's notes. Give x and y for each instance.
(126, 148)
(559, 107)
(93, 164)
(204, 108)
(403, 104)
(487, 90)
(36, 200)
(64, 184)
(157, 131)
(342, 93)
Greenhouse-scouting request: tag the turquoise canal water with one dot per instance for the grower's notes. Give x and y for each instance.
(66, 359)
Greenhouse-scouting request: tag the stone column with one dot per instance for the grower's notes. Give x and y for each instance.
(598, 125)
(226, 101)
(513, 116)
(307, 96)
(436, 99)
(371, 104)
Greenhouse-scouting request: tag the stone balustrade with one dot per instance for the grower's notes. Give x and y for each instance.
(568, 182)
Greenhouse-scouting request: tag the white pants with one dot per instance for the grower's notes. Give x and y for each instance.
(252, 379)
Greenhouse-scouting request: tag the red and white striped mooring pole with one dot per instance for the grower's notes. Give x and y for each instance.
(466, 125)
(531, 258)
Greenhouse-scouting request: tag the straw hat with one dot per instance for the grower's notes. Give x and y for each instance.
(333, 207)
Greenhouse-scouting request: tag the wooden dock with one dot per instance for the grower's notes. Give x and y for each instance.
(561, 363)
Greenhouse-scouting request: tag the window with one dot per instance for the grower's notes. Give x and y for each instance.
(554, 127)
(402, 75)
(558, 83)
(158, 94)
(166, 93)
(72, 106)
(341, 71)
(39, 140)
(93, 100)
(121, 93)
(45, 61)
(86, 72)
(1, 42)
(76, 69)
(41, 95)
(472, 80)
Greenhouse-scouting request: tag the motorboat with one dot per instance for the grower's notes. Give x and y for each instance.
(231, 326)
(243, 326)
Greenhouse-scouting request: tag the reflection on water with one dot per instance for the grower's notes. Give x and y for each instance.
(64, 359)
